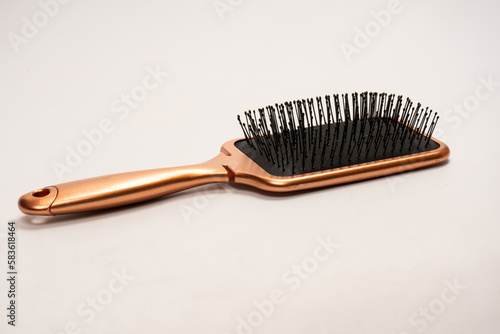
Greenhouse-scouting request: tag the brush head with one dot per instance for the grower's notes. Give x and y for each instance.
(314, 135)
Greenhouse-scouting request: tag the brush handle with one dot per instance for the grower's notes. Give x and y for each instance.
(116, 190)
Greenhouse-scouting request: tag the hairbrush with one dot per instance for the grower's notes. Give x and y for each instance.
(292, 146)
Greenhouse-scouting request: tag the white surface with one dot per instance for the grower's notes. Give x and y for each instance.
(401, 238)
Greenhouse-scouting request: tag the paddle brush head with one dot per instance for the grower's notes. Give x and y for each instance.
(314, 135)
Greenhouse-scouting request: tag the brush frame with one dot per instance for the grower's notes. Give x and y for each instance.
(231, 165)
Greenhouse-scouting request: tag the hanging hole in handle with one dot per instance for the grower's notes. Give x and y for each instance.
(41, 192)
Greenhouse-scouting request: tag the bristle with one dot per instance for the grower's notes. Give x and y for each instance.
(309, 135)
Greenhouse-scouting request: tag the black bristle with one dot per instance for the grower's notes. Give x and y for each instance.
(304, 136)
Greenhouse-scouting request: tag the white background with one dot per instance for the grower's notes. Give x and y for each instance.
(200, 259)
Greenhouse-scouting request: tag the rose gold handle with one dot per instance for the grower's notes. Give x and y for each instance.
(120, 189)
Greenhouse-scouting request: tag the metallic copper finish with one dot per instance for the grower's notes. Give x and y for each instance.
(230, 165)
(32, 204)
(248, 172)
(110, 191)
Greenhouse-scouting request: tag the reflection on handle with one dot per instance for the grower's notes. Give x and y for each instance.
(111, 191)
